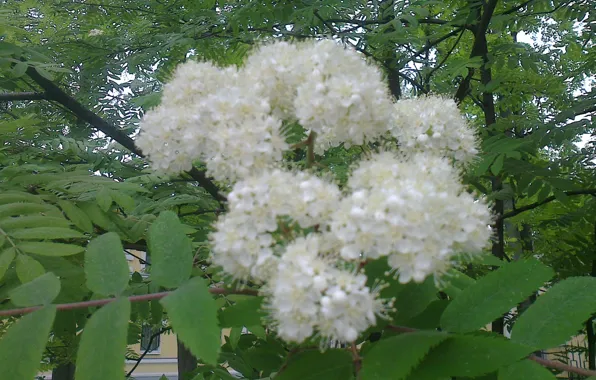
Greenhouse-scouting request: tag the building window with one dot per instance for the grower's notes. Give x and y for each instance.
(147, 344)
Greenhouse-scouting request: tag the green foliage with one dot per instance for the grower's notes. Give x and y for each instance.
(22, 345)
(243, 313)
(508, 286)
(103, 342)
(193, 314)
(106, 268)
(525, 369)
(557, 314)
(312, 365)
(170, 250)
(381, 361)
(39, 291)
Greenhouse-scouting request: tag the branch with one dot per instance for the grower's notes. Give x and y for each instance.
(101, 302)
(516, 8)
(544, 362)
(14, 96)
(534, 205)
(55, 93)
(138, 361)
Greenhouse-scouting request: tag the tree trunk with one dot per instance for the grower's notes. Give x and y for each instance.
(64, 371)
(186, 361)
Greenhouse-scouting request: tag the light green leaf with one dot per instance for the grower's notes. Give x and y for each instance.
(497, 166)
(558, 314)
(2, 239)
(193, 314)
(125, 201)
(103, 343)
(28, 268)
(77, 216)
(526, 370)
(380, 362)
(14, 197)
(19, 69)
(106, 267)
(170, 250)
(104, 199)
(32, 221)
(22, 345)
(242, 313)
(39, 291)
(494, 294)
(469, 356)
(6, 257)
(316, 365)
(50, 249)
(46, 233)
(16, 209)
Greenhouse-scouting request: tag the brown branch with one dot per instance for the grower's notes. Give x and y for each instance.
(16, 96)
(101, 302)
(55, 93)
(534, 205)
(544, 362)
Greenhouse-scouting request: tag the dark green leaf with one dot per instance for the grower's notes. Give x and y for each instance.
(19, 69)
(22, 345)
(193, 314)
(380, 362)
(242, 313)
(315, 365)
(32, 221)
(497, 166)
(526, 370)
(106, 267)
(42, 233)
(494, 294)
(170, 250)
(6, 257)
(104, 199)
(103, 343)
(39, 291)
(558, 314)
(77, 216)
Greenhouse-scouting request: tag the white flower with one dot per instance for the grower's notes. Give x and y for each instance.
(243, 243)
(433, 124)
(413, 210)
(95, 32)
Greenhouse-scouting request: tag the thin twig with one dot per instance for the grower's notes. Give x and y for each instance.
(101, 302)
(534, 205)
(138, 361)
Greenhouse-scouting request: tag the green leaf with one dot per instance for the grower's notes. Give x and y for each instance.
(242, 313)
(32, 221)
(497, 166)
(413, 299)
(106, 267)
(170, 250)
(104, 199)
(22, 345)
(316, 365)
(39, 291)
(193, 314)
(494, 294)
(380, 362)
(125, 201)
(28, 268)
(469, 356)
(526, 370)
(46, 233)
(50, 249)
(103, 343)
(430, 318)
(16, 209)
(558, 314)
(77, 216)
(6, 257)
(19, 69)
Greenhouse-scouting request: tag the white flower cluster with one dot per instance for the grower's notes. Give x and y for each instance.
(433, 124)
(413, 210)
(300, 236)
(231, 117)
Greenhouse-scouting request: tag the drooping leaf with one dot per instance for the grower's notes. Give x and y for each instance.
(50, 249)
(242, 313)
(526, 370)
(469, 356)
(77, 216)
(22, 345)
(193, 314)
(494, 294)
(558, 314)
(104, 199)
(106, 267)
(103, 343)
(381, 362)
(316, 365)
(39, 291)
(42, 233)
(6, 257)
(170, 250)
(28, 268)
